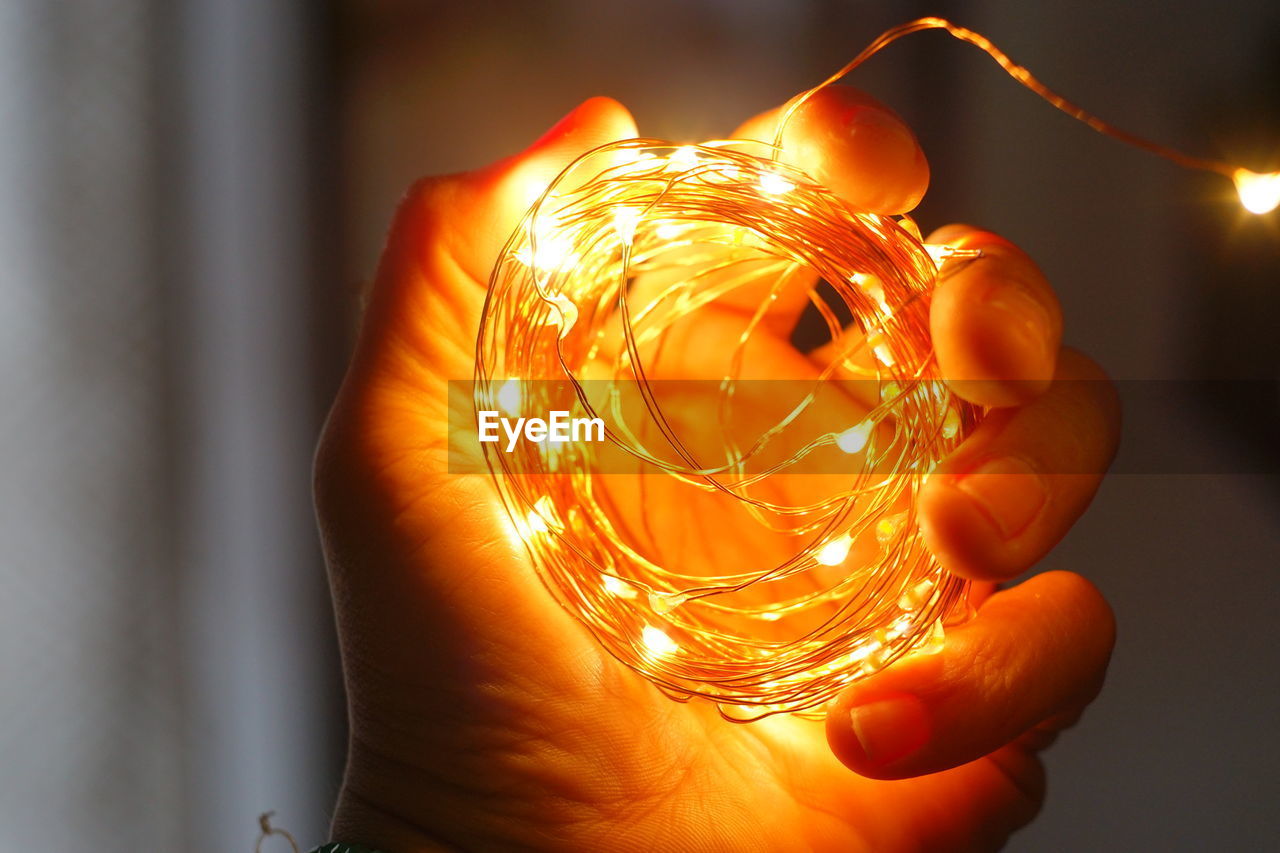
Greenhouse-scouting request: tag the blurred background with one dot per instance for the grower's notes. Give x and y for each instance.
(194, 194)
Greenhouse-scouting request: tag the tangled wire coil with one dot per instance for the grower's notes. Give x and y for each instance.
(624, 269)
(618, 258)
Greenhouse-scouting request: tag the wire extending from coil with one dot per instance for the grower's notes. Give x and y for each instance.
(750, 539)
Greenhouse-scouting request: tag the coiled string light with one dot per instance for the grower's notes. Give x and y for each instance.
(745, 541)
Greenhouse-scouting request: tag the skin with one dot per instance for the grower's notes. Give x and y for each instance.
(483, 717)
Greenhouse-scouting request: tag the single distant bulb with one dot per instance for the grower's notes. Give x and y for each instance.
(1259, 192)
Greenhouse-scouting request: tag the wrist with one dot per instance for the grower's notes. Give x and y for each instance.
(361, 821)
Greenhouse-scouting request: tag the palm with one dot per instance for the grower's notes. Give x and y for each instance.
(542, 708)
(484, 716)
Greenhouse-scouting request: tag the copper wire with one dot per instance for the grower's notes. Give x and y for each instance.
(704, 222)
(617, 267)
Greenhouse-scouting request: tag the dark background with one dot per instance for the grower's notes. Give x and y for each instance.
(194, 194)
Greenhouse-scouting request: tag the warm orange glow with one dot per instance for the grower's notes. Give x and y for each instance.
(834, 552)
(639, 235)
(1259, 193)
(855, 437)
(680, 213)
(657, 642)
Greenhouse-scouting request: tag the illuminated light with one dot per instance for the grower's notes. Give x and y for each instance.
(669, 230)
(900, 627)
(871, 286)
(683, 159)
(880, 346)
(950, 424)
(935, 640)
(855, 437)
(564, 313)
(1259, 192)
(916, 597)
(541, 518)
(629, 157)
(887, 528)
(835, 551)
(938, 252)
(625, 220)
(864, 650)
(618, 587)
(711, 219)
(663, 603)
(715, 218)
(657, 642)
(553, 252)
(775, 184)
(509, 396)
(534, 523)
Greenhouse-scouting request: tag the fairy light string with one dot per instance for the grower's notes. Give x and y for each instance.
(748, 537)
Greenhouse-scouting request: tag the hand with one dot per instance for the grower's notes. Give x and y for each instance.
(484, 717)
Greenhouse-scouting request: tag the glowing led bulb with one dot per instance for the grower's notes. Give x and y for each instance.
(880, 346)
(917, 596)
(657, 642)
(565, 314)
(625, 220)
(552, 253)
(871, 286)
(634, 160)
(663, 603)
(938, 252)
(775, 184)
(950, 424)
(669, 230)
(835, 551)
(509, 396)
(887, 528)
(540, 519)
(855, 437)
(618, 587)
(683, 159)
(1259, 192)
(716, 199)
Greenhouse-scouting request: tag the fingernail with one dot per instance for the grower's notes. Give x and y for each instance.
(1008, 491)
(890, 729)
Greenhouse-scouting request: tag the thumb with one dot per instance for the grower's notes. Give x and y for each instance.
(1034, 652)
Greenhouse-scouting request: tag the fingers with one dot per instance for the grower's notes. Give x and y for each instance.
(1032, 652)
(1014, 488)
(975, 806)
(852, 144)
(996, 322)
(857, 148)
(449, 229)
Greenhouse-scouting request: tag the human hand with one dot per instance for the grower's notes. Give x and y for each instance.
(482, 716)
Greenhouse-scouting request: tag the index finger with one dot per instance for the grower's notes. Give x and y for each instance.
(852, 144)
(996, 322)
